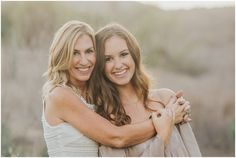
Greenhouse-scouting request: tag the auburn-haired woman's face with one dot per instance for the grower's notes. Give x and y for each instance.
(83, 62)
(120, 66)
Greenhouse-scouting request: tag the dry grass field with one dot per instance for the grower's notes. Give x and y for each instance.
(192, 50)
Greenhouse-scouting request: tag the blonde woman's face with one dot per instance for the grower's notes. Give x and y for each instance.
(84, 59)
(120, 66)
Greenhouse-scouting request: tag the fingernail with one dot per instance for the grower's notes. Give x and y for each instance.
(189, 119)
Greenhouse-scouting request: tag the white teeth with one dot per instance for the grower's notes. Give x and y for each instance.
(121, 72)
(83, 69)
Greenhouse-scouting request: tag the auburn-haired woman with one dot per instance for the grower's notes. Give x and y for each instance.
(124, 98)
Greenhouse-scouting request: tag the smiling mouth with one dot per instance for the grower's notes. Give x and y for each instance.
(120, 73)
(84, 69)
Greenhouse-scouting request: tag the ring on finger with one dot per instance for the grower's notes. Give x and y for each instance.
(181, 102)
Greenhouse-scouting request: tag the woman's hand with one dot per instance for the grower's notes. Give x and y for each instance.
(180, 106)
(181, 112)
(163, 121)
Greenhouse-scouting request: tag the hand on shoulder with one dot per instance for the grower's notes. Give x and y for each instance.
(163, 94)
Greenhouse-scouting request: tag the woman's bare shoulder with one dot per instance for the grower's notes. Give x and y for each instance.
(56, 104)
(63, 97)
(63, 101)
(163, 94)
(59, 94)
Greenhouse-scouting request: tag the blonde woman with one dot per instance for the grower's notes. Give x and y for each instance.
(71, 127)
(127, 98)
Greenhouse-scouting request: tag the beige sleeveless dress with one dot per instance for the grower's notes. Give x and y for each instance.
(64, 140)
(182, 143)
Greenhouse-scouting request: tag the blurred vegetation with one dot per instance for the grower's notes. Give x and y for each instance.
(191, 50)
(6, 146)
(232, 130)
(9, 149)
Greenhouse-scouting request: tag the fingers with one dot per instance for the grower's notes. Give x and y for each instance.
(163, 112)
(181, 113)
(170, 114)
(181, 101)
(155, 121)
(178, 96)
(179, 93)
(172, 100)
(186, 119)
(189, 119)
(154, 116)
(187, 107)
(187, 114)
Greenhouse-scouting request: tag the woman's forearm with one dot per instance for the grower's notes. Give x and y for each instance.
(71, 109)
(136, 133)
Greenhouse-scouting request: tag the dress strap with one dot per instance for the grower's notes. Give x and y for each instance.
(91, 106)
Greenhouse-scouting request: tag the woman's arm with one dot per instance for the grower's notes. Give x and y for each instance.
(69, 108)
(180, 106)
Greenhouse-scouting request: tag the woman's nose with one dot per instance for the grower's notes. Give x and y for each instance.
(83, 60)
(118, 64)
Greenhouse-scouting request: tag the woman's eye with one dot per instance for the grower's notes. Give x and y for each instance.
(76, 53)
(107, 59)
(90, 51)
(124, 54)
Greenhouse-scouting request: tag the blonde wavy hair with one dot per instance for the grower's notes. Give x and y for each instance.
(61, 54)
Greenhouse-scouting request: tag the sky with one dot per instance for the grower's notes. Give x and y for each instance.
(175, 5)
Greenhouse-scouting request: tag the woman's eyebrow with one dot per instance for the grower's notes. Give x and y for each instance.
(76, 50)
(107, 53)
(90, 48)
(124, 50)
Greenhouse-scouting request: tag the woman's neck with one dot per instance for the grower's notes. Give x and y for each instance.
(133, 104)
(82, 86)
(127, 94)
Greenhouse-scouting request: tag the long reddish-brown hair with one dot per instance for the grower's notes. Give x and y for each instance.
(102, 91)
